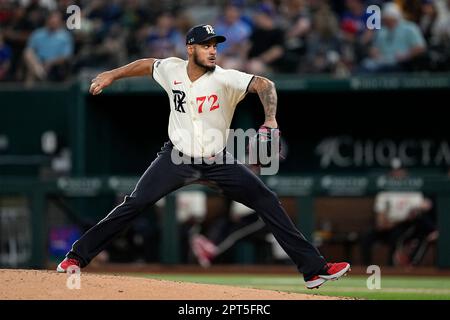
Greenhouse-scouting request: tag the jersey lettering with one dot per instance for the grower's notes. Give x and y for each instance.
(178, 100)
(214, 104)
(212, 100)
(202, 101)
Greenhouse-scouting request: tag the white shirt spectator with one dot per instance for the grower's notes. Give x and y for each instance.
(397, 205)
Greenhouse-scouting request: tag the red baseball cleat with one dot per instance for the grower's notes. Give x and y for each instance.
(68, 263)
(204, 250)
(332, 271)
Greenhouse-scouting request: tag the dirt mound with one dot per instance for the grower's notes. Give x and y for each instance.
(49, 285)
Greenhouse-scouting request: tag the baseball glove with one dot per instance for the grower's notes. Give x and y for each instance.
(264, 146)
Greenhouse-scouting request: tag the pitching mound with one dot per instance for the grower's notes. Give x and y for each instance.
(49, 285)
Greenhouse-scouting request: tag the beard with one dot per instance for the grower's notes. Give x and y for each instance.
(200, 64)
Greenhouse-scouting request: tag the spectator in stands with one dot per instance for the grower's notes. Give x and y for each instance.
(278, 45)
(395, 213)
(163, 39)
(5, 58)
(48, 51)
(35, 13)
(6, 13)
(441, 40)
(107, 13)
(411, 9)
(355, 14)
(323, 42)
(134, 21)
(351, 49)
(265, 48)
(21, 23)
(109, 53)
(134, 15)
(297, 25)
(414, 243)
(237, 32)
(428, 20)
(398, 46)
(183, 22)
(355, 37)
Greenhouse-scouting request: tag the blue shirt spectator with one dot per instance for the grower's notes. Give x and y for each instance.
(233, 28)
(395, 43)
(356, 15)
(398, 45)
(5, 52)
(5, 58)
(164, 40)
(48, 52)
(49, 45)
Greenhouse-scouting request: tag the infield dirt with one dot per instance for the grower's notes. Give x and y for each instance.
(49, 285)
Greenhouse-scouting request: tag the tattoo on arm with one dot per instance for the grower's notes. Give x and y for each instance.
(267, 94)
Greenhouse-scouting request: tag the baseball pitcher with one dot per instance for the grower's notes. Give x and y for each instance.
(203, 98)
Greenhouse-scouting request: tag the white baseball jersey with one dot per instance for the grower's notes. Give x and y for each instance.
(200, 111)
(397, 205)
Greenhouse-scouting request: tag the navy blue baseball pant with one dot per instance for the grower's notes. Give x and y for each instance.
(235, 180)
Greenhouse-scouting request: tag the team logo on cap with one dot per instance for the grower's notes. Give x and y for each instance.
(209, 29)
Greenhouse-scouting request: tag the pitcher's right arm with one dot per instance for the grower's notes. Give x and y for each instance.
(141, 67)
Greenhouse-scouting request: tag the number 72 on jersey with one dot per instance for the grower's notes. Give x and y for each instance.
(211, 102)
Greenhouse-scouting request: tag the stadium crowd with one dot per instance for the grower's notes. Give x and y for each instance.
(269, 36)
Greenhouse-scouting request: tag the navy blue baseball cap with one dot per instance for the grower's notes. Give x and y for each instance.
(202, 33)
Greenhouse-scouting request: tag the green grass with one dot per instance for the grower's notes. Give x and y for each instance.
(392, 288)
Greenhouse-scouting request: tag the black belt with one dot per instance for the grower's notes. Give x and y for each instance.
(193, 159)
